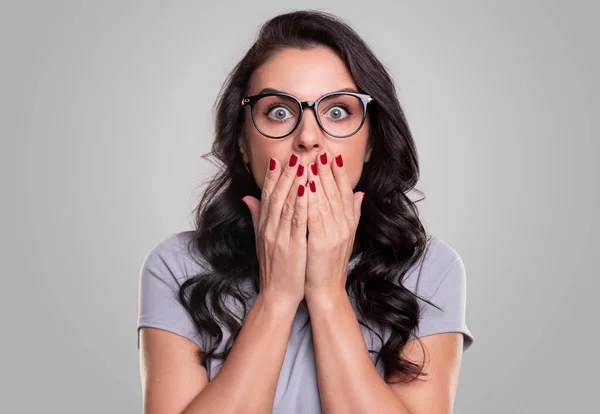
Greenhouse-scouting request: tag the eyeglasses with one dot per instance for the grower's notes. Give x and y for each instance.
(277, 114)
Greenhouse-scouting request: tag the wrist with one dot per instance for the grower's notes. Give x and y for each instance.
(279, 302)
(325, 296)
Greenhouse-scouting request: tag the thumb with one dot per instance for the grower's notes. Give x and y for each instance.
(253, 205)
(358, 198)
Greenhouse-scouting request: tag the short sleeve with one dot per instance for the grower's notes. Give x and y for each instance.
(161, 274)
(449, 295)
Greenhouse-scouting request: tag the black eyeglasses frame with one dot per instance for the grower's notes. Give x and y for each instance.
(251, 101)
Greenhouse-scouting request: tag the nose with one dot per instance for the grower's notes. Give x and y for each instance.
(309, 134)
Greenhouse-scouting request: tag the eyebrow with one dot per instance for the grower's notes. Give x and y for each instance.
(271, 90)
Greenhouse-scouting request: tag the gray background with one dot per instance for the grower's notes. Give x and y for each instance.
(106, 108)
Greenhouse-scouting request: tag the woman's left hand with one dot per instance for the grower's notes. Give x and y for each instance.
(333, 216)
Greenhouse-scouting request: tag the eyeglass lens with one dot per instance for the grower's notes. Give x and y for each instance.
(340, 115)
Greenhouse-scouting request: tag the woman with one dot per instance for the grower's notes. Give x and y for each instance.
(307, 251)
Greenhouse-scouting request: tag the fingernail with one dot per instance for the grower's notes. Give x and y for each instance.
(312, 186)
(300, 190)
(293, 160)
(323, 158)
(313, 168)
(271, 164)
(300, 170)
(339, 161)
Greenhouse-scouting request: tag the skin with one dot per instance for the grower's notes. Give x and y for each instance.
(343, 363)
(308, 75)
(172, 379)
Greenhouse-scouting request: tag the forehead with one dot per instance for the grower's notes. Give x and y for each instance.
(306, 74)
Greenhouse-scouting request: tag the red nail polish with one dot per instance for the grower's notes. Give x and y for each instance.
(300, 170)
(300, 190)
(293, 160)
(312, 186)
(271, 164)
(313, 167)
(339, 161)
(323, 158)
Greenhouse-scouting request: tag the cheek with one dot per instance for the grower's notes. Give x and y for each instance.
(260, 164)
(354, 161)
(260, 154)
(354, 171)
(353, 164)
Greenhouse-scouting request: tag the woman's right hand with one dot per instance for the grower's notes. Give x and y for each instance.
(280, 228)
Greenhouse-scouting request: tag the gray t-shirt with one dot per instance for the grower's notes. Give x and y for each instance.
(442, 281)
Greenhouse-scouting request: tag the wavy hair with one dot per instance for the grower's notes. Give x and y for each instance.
(390, 238)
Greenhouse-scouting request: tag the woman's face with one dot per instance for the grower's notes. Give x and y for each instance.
(308, 75)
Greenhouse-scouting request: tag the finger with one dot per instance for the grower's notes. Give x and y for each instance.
(279, 193)
(358, 200)
(271, 177)
(315, 222)
(254, 206)
(343, 184)
(288, 211)
(329, 189)
(299, 223)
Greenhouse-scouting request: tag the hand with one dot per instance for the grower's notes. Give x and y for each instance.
(280, 225)
(333, 216)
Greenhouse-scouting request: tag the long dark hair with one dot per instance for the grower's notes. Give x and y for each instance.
(390, 235)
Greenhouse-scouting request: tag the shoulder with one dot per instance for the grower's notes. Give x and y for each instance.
(172, 259)
(439, 277)
(165, 267)
(438, 261)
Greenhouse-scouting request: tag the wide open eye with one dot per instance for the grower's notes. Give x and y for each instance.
(276, 115)
(337, 112)
(278, 112)
(341, 114)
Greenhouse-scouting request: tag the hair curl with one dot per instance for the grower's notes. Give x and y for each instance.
(390, 235)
